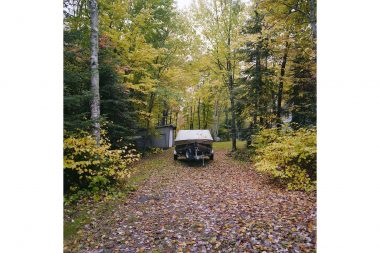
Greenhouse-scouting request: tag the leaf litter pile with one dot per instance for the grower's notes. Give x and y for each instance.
(224, 206)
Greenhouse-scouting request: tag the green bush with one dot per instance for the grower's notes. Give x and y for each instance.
(91, 167)
(268, 136)
(156, 150)
(290, 157)
(242, 154)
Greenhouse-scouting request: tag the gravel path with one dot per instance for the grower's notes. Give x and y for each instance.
(222, 207)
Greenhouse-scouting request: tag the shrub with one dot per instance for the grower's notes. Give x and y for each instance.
(88, 166)
(291, 157)
(242, 154)
(156, 150)
(264, 138)
(268, 136)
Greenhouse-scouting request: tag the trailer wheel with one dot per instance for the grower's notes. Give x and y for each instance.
(212, 157)
(175, 157)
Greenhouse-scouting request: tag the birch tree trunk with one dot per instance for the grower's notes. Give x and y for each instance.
(313, 19)
(94, 40)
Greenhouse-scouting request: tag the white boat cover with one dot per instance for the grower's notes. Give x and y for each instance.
(189, 136)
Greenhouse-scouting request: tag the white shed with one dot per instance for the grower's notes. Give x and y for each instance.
(164, 137)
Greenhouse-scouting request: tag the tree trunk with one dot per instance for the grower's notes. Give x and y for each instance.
(233, 122)
(95, 103)
(163, 117)
(227, 121)
(233, 115)
(281, 85)
(313, 19)
(218, 123)
(191, 117)
(249, 137)
(230, 80)
(188, 120)
(205, 116)
(258, 75)
(150, 108)
(274, 108)
(216, 118)
(199, 113)
(258, 84)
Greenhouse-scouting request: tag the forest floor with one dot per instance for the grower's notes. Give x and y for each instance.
(224, 206)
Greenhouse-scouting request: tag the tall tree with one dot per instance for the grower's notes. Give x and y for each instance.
(220, 23)
(302, 98)
(216, 118)
(281, 85)
(199, 113)
(95, 103)
(256, 88)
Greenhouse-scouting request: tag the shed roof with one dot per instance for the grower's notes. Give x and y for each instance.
(168, 126)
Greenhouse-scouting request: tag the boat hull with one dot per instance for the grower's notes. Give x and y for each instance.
(194, 150)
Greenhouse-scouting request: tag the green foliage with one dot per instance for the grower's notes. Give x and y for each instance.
(303, 95)
(264, 138)
(257, 82)
(143, 47)
(88, 166)
(290, 157)
(278, 74)
(156, 150)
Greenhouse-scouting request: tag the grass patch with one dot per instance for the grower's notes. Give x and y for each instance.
(71, 227)
(241, 154)
(227, 145)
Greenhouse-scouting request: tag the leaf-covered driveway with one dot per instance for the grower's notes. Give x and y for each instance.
(222, 207)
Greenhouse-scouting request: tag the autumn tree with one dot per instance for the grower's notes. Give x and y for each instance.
(219, 22)
(279, 45)
(138, 58)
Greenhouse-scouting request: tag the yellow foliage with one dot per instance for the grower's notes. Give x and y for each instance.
(289, 157)
(89, 165)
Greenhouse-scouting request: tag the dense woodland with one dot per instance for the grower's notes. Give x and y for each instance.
(238, 68)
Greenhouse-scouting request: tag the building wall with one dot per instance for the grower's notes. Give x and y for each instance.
(164, 138)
